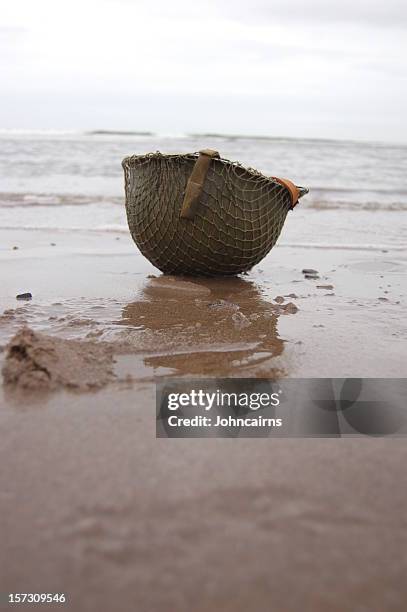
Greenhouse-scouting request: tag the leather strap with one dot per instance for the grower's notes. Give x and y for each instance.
(196, 182)
(293, 190)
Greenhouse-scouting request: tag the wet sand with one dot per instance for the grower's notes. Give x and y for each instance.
(349, 321)
(93, 505)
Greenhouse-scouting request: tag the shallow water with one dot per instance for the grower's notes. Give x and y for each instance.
(66, 240)
(348, 321)
(75, 180)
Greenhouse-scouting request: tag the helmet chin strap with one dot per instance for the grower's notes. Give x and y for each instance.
(196, 182)
(293, 189)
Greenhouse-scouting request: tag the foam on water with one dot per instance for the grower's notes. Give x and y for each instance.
(67, 180)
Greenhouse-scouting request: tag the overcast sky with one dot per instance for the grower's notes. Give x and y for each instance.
(317, 68)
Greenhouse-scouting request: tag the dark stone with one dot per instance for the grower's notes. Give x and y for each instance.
(24, 296)
(309, 271)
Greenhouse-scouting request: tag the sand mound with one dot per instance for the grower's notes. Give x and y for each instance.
(36, 361)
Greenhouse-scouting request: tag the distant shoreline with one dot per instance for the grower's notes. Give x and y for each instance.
(213, 135)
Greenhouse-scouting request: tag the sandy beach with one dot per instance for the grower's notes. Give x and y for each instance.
(347, 322)
(177, 443)
(93, 505)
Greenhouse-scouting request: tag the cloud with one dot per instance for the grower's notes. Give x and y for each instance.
(330, 66)
(360, 12)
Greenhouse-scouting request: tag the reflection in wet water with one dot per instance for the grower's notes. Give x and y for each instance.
(204, 327)
(221, 327)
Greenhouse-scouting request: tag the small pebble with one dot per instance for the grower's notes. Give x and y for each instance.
(325, 287)
(24, 296)
(309, 271)
(289, 308)
(15, 248)
(52, 244)
(279, 299)
(311, 276)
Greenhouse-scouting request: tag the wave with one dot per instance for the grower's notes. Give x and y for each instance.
(343, 247)
(213, 135)
(320, 198)
(359, 189)
(354, 206)
(118, 133)
(117, 228)
(33, 200)
(26, 201)
(38, 132)
(280, 138)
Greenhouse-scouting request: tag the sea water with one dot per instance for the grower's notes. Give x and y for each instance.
(74, 181)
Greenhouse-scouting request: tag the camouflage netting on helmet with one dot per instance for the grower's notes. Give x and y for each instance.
(238, 219)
